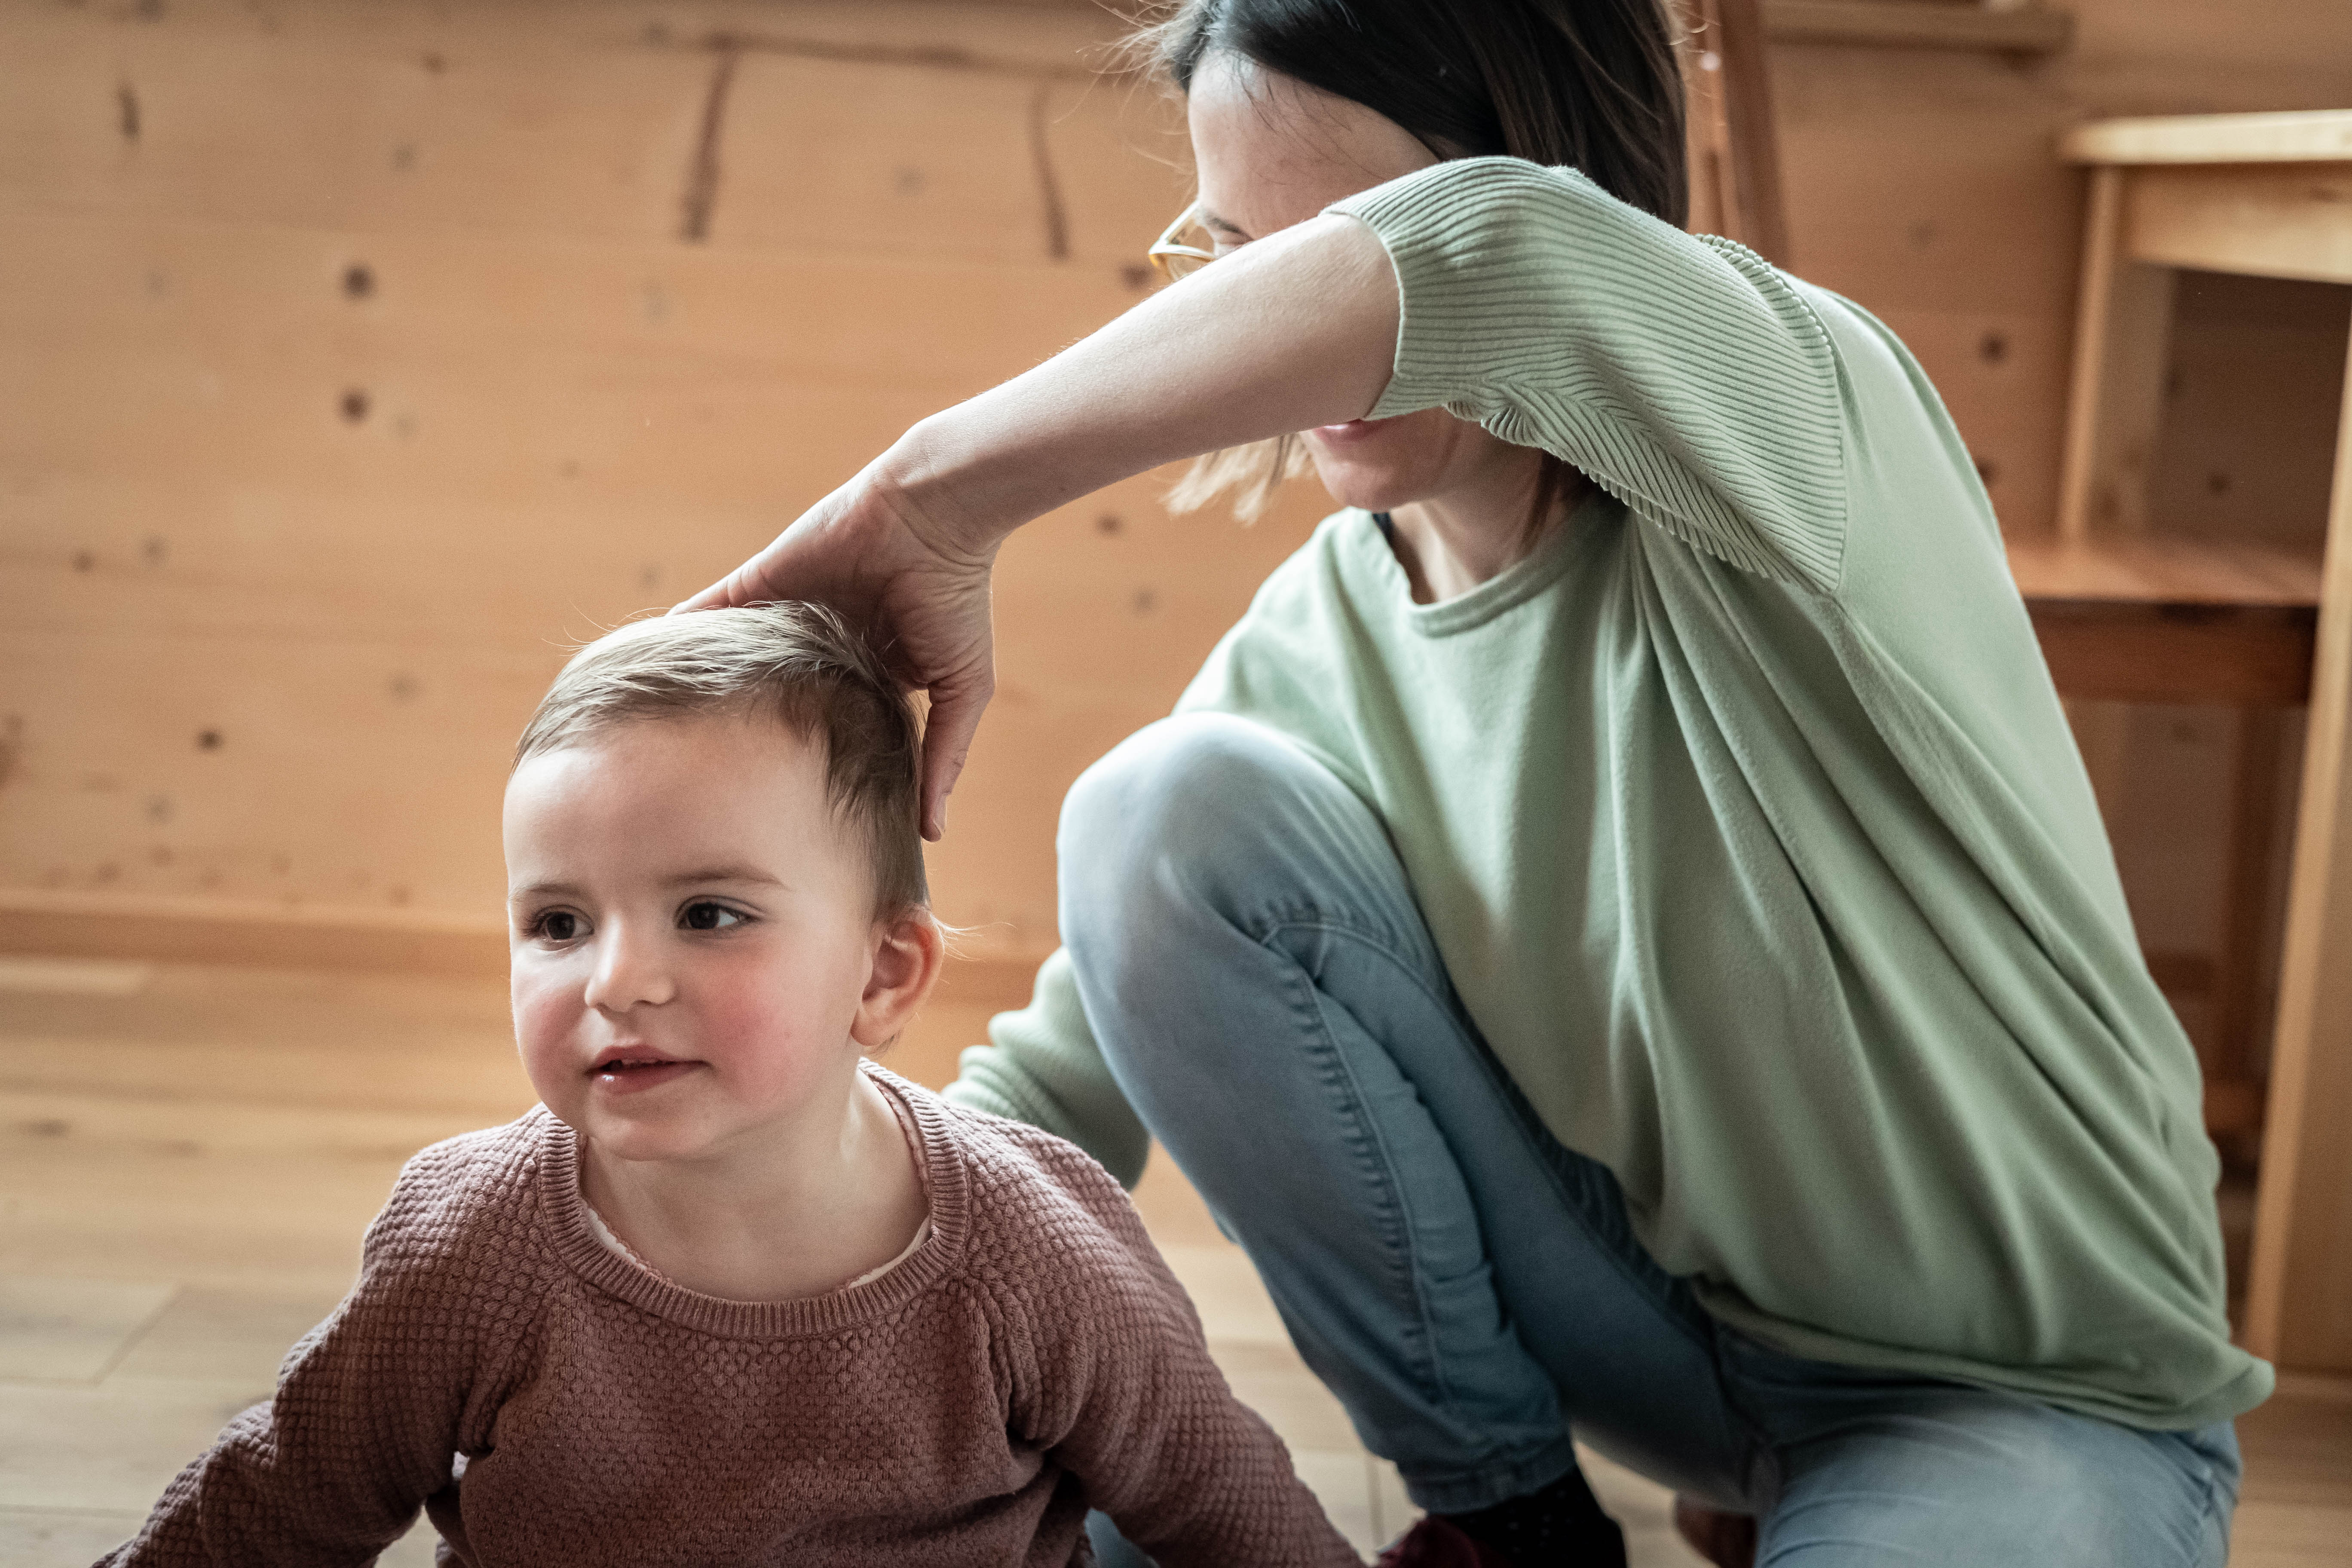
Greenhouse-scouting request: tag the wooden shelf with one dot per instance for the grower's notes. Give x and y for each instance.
(2312, 136)
(2182, 573)
(1918, 24)
(2172, 620)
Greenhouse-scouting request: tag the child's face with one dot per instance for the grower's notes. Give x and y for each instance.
(692, 934)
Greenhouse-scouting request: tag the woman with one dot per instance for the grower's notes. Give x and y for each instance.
(1619, 930)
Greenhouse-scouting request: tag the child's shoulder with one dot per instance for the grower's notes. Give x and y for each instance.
(471, 1199)
(1014, 1156)
(1032, 1196)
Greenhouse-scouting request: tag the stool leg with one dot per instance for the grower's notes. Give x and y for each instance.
(2299, 1298)
(2233, 1108)
(2122, 336)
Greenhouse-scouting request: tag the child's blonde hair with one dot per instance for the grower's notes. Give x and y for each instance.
(797, 663)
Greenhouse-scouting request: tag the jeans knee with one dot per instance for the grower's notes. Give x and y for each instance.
(1165, 806)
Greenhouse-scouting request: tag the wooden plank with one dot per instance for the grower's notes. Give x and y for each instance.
(347, 771)
(496, 379)
(2028, 30)
(2107, 651)
(982, 975)
(883, 131)
(2301, 136)
(2115, 405)
(1755, 137)
(165, 928)
(340, 127)
(2243, 991)
(2171, 620)
(2253, 392)
(2188, 574)
(2271, 220)
(2299, 1300)
(259, 297)
(1999, 376)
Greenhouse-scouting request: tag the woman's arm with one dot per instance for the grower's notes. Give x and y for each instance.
(1683, 373)
(1294, 331)
(1042, 1066)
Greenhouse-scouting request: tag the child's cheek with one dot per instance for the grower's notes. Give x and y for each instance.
(546, 1013)
(761, 1016)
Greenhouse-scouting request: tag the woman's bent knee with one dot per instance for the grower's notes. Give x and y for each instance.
(1187, 803)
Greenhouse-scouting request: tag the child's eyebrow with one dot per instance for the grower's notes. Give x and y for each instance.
(724, 874)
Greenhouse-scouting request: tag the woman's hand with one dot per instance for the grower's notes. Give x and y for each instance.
(902, 580)
(1291, 332)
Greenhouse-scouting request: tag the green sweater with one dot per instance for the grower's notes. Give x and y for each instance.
(1747, 821)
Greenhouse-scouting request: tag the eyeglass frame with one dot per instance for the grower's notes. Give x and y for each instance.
(1165, 252)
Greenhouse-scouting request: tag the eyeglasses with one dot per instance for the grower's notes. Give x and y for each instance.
(1174, 258)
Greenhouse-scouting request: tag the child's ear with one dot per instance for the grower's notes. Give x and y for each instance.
(907, 952)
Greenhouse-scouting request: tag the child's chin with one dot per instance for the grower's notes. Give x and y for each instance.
(623, 1138)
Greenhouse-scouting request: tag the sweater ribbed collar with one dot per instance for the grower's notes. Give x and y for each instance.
(947, 1186)
(1386, 585)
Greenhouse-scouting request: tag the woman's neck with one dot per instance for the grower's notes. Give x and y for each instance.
(798, 1212)
(1450, 543)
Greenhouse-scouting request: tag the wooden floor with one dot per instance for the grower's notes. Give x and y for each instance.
(187, 1157)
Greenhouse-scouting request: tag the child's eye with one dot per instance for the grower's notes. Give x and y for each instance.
(557, 925)
(704, 915)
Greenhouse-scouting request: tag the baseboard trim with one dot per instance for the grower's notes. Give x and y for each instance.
(206, 931)
(47, 923)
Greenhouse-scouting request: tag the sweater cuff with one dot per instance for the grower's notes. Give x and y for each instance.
(1416, 218)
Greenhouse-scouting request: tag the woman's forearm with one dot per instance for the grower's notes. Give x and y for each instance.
(1291, 332)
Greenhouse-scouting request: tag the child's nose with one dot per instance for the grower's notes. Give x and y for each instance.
(630, 972)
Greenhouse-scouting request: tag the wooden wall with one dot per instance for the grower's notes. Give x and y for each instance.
(358, 356)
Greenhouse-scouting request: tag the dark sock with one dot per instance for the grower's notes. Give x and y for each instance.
(1561, 1525)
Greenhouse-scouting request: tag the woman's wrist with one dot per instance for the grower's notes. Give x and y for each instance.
(926, 479)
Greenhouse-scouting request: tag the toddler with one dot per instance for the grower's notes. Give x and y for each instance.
(733, 1294)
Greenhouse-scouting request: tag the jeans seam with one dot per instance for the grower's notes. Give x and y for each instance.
(2196, 1555)
(1368, 1147)
(1322, 919)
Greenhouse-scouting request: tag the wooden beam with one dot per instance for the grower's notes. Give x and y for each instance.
(2299, 1296)
(2278, 220)
(1753, 142)
(2161, 571)
(2105, 651)
(2116, 406)
(38, 922)
(2321, 135)
(62, 924)
(2027, 31)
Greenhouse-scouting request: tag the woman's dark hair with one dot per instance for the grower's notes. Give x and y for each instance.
(1589, 83)
(1592, 84)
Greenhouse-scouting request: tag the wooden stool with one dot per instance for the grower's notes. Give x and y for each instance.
(2126, 616)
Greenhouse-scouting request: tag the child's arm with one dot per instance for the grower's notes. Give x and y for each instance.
(371, 1408)
(1120, 1386)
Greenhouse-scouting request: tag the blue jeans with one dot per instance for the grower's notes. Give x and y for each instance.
(1252, 960)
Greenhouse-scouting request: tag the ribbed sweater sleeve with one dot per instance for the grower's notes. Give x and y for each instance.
(371, 1405)
(1042, 1067)
(1684, 374)
(1112, 1376)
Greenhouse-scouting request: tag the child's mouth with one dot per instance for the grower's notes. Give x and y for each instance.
(627, 1075)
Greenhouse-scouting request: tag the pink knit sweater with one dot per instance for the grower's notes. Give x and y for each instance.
(552, 1403)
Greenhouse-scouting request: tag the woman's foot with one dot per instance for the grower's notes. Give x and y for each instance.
(1433, 1543)
(1560, 1526)
(1725, 1540)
